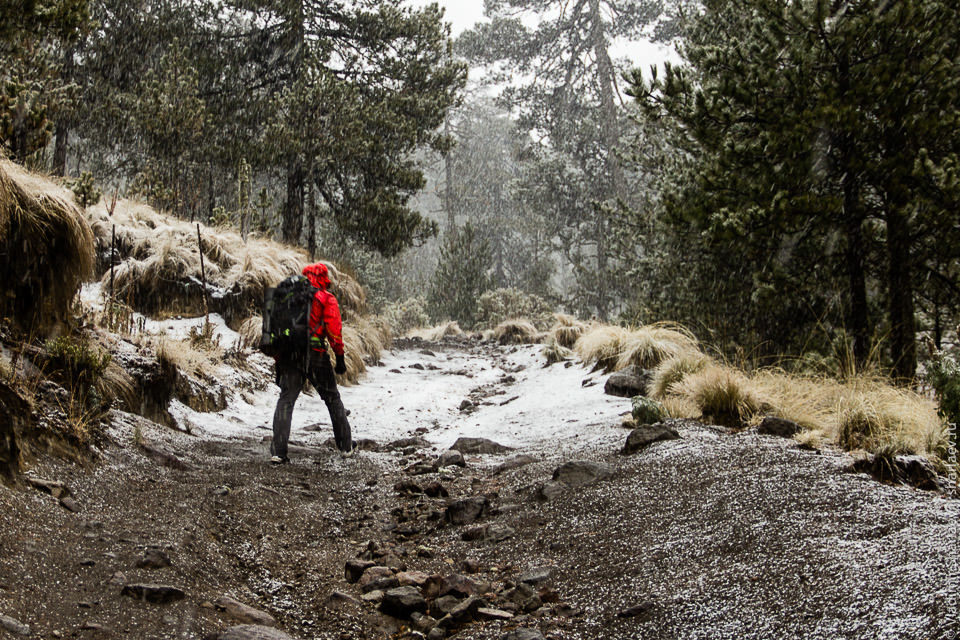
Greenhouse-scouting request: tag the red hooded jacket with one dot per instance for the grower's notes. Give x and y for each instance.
(325, 314)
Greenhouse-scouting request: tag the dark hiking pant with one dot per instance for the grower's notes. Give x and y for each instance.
(290, 377)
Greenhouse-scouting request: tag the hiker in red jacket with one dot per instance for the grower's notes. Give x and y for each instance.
(325, 326)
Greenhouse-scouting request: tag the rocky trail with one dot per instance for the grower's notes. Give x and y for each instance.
(490, 499)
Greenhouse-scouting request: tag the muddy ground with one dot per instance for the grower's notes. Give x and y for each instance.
(714, 535)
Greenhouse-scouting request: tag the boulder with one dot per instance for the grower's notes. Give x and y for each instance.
(537, 575)
(579, 473)
(353, 569)
(915, 471)
(479, 445)
(436, 490)
(641, 610)
(155, 593)
(550, 491)
(154, 559)
(450, 458)
(463, 613)
(629, 382)
(416, 442)
(253, 632)
(773, 426)
(400, 602)
(525, 597)
(647, 410)
(244, 613)
(643, 437)
(514, 463)
(341, 600)
(466, 510)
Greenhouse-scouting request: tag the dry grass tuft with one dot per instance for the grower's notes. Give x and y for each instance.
(437, 333)
(556, 352)
(516, 332)
(675, 369)
(116, 384)
(722, 394)
(191, 360)
(160, 270)
(46, 249)
(566, 330)
(250, 332)
(647, 347)
(602, 345)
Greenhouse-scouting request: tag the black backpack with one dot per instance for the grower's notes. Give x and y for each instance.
(286, 318)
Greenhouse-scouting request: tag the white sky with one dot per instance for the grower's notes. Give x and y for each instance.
(463, 14)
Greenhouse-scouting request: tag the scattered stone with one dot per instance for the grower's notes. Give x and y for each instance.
(89, 625)
(417, 366)
(537, 575)
(421, 468)
(436, 634)
(470, 566)
(464, 612)
(425, 552)
(579, 473)
(339, 600)
(498, 532)
(165, 458)
(466, 510)
(780, 427)
(642, 437)
(57, 489)
(915, 471)
(374, 596)
(629, 382)
(523, 634)
(514, 463)
(479, 445)
(244, 613)
(436, 490)
(450, 458)
(118, 579)
(366, 444)
(565, 610)
(466, 405)
(155, 593)
(637, 610)
(417, 442)
(462, 586)
(647, 410)
(14, 626)
(70, 504)
(154, 558)
(550, 490)
(493, 614)
(400, 602)
(375, 572)
(253, 632)
(353, 569)
(412, 578)
(525, 597)
(408, 487)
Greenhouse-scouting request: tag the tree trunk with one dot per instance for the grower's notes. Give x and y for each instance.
(60, 149)
(903, 346)
(857, 315)
(293, 207)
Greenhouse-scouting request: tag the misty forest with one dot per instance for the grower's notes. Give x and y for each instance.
(650, 319)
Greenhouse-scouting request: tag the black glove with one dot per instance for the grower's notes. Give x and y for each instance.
(341, 367)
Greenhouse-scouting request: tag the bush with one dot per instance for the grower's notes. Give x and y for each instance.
(496, 306)
(943, 374)
(407, 315)
(647, 411)
(79, 363)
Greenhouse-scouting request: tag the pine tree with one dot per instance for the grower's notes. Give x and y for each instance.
(463, 273)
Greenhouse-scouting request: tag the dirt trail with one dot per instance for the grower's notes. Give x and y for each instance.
(713, 535)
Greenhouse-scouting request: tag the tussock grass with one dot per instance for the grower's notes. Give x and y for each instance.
(116, 384)
(250, 332)
(649, 346)
(188, 358)
(437, 333)
(46, 249)
(160, 269)
(671, 371)
(516, 331)
(602, 346)
(556, 352)
(566, 330)
(722, 394)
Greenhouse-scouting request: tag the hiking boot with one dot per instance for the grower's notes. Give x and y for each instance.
(347, 454)
(279, 460)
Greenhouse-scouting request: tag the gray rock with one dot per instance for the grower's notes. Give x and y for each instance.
(444, 605)
(372, 573)
(629, 382)
(244, 613)
(479, 445)
(381, 584)
(525, 597)
(637, 611)
(374, 596)
(450, 458)
(154, 559)
(514, 463)
(436, 634)
(353, 569)
(57, 489)
(14, 626)
(498, 532)
(435, 489)
(341, 600)
(537, 575)
(915, 471)
(416, 442)
(253, 632)
(579, 473)
(773, 426)
(155, 593)
(643, 437)
(487, 613)
(523, 634)
(466, 510)
(70, 504)
(463, 613)
(550, 491)
(400, 602)
(647, 411)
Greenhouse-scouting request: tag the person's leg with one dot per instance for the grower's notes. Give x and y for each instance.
(323, 380)
(290, 380)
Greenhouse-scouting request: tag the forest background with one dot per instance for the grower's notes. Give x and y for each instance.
(788, 190)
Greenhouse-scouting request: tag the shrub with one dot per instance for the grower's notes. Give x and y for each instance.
(943, 374)
(647, 410)
(407, 315)
(80, 363)
(516, 332)
(499, 305)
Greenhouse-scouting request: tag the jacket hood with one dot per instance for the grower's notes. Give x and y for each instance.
(318, 275)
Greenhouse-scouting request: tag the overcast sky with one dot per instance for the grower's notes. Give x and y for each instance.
(463, 14)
